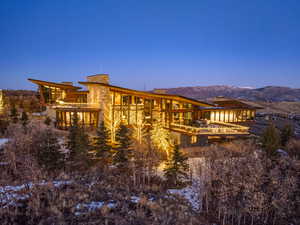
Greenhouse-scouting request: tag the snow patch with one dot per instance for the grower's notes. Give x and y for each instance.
(135, 199)
(3, 141)
(9, 194)
(92, 206)
(190, 193)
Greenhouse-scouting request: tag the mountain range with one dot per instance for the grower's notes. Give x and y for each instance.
(265, 94)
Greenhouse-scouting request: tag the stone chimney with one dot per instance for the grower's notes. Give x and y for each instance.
(99, 78)
(67, 83)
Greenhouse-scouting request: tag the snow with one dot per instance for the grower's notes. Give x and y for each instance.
(282, 152)
(39, 114)
(199, 173)
(135, 199)
(247, 87)
(30, 185)
(190, 193)
(9, 194)
(92, 206)
(3, 141)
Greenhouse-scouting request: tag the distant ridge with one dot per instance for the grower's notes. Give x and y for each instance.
(266, 94)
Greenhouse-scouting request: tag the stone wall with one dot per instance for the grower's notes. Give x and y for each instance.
(100, 97)
(99, 78)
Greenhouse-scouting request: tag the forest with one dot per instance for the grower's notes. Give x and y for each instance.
(49, 176)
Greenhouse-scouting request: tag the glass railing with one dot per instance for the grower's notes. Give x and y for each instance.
(75, 105)
(222, 128)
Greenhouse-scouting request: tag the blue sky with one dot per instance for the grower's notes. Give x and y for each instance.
(157, 43)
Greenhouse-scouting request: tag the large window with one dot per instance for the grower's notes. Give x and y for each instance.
(51, 94)
(64, 118)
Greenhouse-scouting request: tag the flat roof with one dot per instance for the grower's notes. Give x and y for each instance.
(233, 103)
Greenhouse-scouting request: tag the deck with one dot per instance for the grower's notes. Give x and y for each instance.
(222, 129)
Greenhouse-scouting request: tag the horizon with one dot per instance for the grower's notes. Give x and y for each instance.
(147, 90)
(203, 43)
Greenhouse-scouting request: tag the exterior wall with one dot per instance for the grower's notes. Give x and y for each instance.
(100, 97)
(191, 141)
(232, 116)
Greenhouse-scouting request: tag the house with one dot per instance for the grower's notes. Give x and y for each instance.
(190, 121)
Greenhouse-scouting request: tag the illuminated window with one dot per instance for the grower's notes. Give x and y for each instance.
(194, 139)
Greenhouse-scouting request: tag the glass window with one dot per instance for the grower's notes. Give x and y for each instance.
(193, 139)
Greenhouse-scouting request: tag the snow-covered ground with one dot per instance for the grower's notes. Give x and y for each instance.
(92, 206)
(198, 173)
(190, 193)
(3, 141)
(9, 195)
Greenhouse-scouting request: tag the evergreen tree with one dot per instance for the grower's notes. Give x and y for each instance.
(271, 140)
(286, 134)
(48, 151)
(14, 114)
(122, 149)
(78, 143)
(176, 167)
(48, 121)
(24, 119)
(102, 142)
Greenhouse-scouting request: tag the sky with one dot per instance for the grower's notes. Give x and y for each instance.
(146, 44)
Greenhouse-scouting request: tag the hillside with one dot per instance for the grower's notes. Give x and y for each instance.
(265, 94)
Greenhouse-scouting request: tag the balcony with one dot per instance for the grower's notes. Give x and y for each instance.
(67, 105)
(213, 128)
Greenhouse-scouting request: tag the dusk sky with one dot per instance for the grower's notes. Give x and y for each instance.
(153, 43)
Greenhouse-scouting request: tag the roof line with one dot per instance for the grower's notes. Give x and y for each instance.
(148, 93)
(41, 82)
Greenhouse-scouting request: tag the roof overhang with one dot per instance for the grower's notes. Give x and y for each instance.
(150, 94)
(53, 84)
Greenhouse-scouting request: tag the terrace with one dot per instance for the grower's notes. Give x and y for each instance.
(211, 128)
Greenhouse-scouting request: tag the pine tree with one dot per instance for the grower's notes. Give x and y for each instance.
(176, 168)
(271, 140)
(122, 149)
(24, 119)
(48, 151)
(78, 143)
(102, 142)
(14, 114)
(286, 134)
(48, 121)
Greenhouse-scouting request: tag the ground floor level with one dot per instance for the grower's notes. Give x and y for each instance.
(199, 133)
